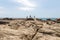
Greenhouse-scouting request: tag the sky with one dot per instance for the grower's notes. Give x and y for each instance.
(23, 8)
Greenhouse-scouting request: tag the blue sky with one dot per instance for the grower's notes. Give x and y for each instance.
(23, 8)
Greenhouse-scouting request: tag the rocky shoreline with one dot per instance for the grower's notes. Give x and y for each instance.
(29, 29)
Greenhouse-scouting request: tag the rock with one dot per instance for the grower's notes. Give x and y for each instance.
(40, 36)
(29, 30)
(46, 31)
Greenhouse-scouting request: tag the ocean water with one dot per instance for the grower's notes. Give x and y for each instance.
(48, 18)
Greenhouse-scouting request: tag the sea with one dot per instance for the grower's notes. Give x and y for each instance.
(48, 18)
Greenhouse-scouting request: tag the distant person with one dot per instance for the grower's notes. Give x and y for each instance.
(30, 16)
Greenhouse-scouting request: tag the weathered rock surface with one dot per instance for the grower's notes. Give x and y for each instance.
(29, 30)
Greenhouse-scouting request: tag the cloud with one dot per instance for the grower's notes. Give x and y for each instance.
(26, 8)
(1, 7)
(2, 10)
(28, 5)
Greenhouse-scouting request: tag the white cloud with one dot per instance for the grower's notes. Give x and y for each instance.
(26, 8)
(2, 10)
(1, 7)
(28, 5)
